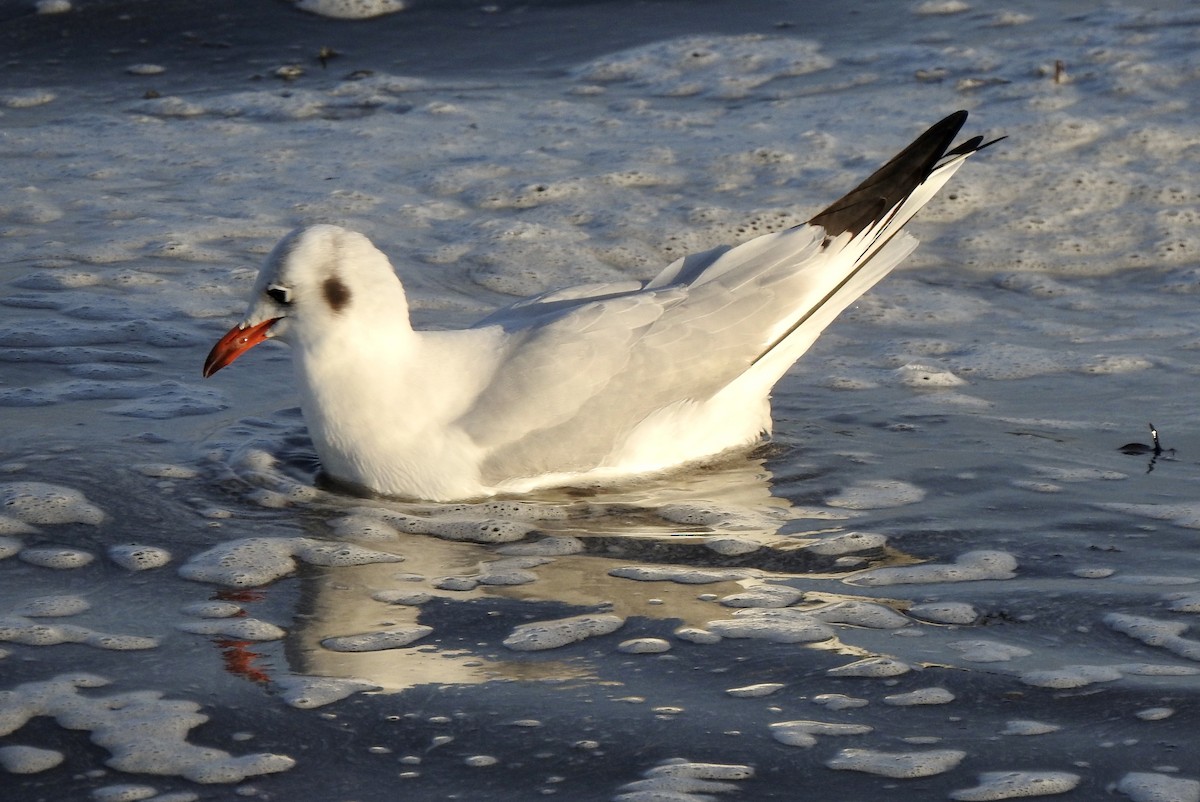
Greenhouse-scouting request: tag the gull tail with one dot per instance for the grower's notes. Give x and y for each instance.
(863, 237)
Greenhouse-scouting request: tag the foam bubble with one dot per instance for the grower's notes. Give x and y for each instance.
(972, 566)
(755, 691)
(20, 759)
(41, 503)
(540, 635)
(987, 651)
(1152, 632)
(53, 606)
(166, 470)
(804, 733)
(876, 495)
(27, 99)
(52, 6)
(765, 596)
(921, 696)
(873, 667)
(720, 66)
(860, 614)
(899, 765)
(1076, 676)
(779, 626)
(134, 557)
(839, 701)
(143, 733)
(252, 629)
(1028, 727)
(126, 792)
(1150, 787)
(306, 693)
(847, 543)
(393, 638)
(62, 559)
(1155, 713)
(945, 612)
(251, 562)
(697, 635)
(644, 646)
(351, 9)
(683, 575)
(1009, 784)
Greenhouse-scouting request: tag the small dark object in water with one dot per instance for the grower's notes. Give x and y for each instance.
(1141, 448)
(1155, 449)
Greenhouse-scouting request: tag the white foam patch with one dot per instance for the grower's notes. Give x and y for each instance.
(18, 759)
(540, 635)
(697, 635)
(1184, 602)
(143, 732)
(166, 470)
(899, 765)
(255, 561)
(839, 701)
(847, 543)
(553, 546)
(1013, 784)
(53, 606)
(755, 691)
(877, 495)
(972, 566)
(871, 667)
(682, 575)
(32, 632)
(11, 526)
(921, 696)
(307, 693)
(804, 733)
(778, 626)
(924, 376)
(860, 614)
(124, 792)
(1186, 515)
(987, 651)
(212, 609)
(945, 612)
(352, 9)
(137, 557)
(644, 646)
(764, 596)
(1155, 713)
(1151, 787)
(1028, 727)
(718, 66)
(41, 503)
(393, 638)
(1153, 632)
(471, 523)
(61, 559)
(27, 99)
(251, 629)
(1076, 676)
(52, 6)
(679, 780)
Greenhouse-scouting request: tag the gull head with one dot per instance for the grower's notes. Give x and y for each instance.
(319, 282)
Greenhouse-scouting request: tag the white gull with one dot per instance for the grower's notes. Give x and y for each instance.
(594, 383)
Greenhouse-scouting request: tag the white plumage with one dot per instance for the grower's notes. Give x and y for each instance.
(592, 383)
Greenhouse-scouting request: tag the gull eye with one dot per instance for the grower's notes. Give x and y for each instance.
(280, 295)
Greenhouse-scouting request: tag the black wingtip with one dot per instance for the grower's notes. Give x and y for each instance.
(894, 181)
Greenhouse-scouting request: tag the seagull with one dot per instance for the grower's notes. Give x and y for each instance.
(597, 383)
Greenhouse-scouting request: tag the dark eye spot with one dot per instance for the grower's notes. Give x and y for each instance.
(279, 295)
(337, 294)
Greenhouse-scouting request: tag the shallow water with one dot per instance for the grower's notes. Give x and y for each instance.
(940, 569)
